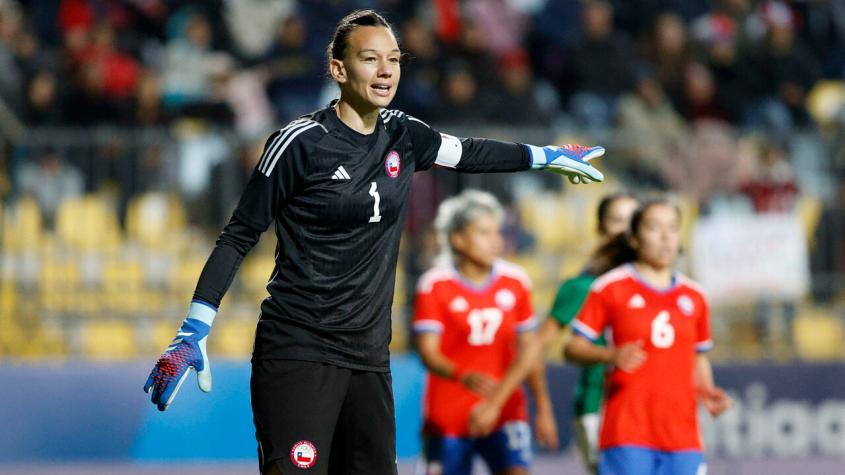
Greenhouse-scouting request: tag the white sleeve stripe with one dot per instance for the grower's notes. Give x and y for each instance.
(278, 140)
(527, 325)
(705, 345)
(285, 145)
(450, 151)
(583, 328)
(428, 325)
(410, 117)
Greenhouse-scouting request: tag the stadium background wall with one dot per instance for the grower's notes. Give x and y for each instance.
(82, 411)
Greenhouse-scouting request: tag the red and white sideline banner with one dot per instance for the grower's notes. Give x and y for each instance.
(740, 258)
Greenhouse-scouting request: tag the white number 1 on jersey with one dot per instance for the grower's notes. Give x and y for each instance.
(376, 217)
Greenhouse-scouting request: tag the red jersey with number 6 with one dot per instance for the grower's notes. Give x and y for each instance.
(478, 327)
(655, 405)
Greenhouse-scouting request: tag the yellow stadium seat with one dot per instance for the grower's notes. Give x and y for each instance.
(123, 282)
(163, 332)
(88, 223)
(154, 219)
(233, 339)
(108, 340)
(818, 334)
(22, 225)
(825, 102)
(184, 275)
(255, 273)
(59, 283)
(810, 213)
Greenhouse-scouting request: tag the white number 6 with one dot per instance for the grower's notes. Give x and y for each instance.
(662, 332)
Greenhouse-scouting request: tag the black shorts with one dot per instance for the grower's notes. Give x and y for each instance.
(322, 419)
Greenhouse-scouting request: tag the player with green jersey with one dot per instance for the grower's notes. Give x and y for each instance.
(614, 215)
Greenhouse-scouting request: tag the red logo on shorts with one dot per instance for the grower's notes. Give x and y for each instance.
(303, 454)
(393, 164)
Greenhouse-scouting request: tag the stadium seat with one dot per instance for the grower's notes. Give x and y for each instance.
(88, 223)
(232, 339)
(59, 282)
(123, 286)
(108, 340)
(254, 275)
(153, 219)
(826, 101)
(818, 334)
(22, 225)
(810, 212)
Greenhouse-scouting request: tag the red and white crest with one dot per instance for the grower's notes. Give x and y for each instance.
(303, 454)
(393, 164)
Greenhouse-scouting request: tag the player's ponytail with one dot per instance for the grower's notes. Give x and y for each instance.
(620, 249)
(340, 40)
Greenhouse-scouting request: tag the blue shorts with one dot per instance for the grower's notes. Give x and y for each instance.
(508, 447)
(629, 460)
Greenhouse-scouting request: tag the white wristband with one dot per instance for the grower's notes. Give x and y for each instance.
(203, 312)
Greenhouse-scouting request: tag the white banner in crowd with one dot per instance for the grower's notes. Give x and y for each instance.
(740, 258)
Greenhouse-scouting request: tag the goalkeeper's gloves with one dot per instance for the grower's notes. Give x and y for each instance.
(185, 352)
(571, 160)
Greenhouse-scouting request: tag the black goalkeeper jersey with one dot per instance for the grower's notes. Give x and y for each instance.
(337, 199)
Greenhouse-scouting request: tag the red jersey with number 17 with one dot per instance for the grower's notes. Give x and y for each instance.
(478, 327)
(655, 405)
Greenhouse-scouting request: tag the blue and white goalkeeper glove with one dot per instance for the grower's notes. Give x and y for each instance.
(185, 352)
(571, 160)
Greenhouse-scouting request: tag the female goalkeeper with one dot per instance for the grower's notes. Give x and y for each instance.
(335, 185)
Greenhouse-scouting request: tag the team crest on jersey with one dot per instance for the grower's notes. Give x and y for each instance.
(505, 299)
(637, 301)
(303, 454)
(393, 164)
(458, 305)
(686, 305)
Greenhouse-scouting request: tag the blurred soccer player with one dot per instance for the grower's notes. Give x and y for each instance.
(335, 184)
(473, 313)
(658, 323)
(614, 216)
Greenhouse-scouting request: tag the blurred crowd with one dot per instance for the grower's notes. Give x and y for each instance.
(737, 104)
(670, 79)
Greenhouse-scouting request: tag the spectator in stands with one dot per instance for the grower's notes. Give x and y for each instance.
(709, 164)
(502, 23)
(254, 24)
(781, 74)
(828, 258)
(701, 100)
(186, 75)
(772, 186)
(473, 49)
(518, 96)
(290, 69)
(148, 110)
(11, 77)
(43, 105)
(50, 180)
(599, 66)
(655, 132)
(459, 90)
(715, 37)
(420, 70)
(669, 51)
